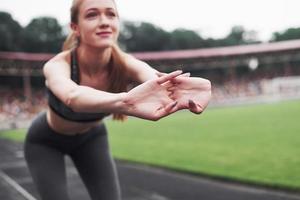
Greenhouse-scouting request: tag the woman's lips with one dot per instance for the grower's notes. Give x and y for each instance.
(104, 34)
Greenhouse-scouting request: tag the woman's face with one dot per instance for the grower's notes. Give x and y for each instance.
(98, 23)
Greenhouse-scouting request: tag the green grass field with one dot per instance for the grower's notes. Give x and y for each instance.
(257, 144)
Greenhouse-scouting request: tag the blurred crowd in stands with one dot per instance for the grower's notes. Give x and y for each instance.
(14, 106)
(249, 84)
(236, 89)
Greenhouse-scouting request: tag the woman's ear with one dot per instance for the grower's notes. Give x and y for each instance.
(75, 29)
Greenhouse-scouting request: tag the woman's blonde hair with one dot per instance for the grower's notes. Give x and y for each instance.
(117, 69)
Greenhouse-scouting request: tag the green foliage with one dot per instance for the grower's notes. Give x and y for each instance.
(143, 37)
(148, 37)
(236, 36)
(185, 39)
(289, 34)
(10, 31)
(43, 34)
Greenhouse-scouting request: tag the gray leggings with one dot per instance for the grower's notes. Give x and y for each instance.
(45, 150)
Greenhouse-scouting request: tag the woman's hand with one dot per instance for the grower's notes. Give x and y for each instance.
(151, 100)
(191, 93)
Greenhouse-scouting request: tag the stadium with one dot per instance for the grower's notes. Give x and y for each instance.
(246, 74)
(248, 135)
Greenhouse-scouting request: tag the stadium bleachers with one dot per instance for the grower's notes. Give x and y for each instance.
(235, 77)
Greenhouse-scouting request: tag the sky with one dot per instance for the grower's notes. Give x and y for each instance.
(210, 18)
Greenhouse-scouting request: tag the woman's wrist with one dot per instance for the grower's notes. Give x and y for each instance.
(123, 106)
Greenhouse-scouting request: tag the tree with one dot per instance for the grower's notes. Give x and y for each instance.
(289, 34)
(185, 39)
(43, 34)
(235, 37)
(9, 33)
(143, 37)
(238, 36)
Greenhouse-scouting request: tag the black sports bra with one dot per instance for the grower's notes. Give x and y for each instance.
(66, 112)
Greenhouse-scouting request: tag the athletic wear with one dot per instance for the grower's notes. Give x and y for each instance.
(63, 110)
(45, 150)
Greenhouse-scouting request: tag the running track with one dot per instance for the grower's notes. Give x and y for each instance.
(138, 182)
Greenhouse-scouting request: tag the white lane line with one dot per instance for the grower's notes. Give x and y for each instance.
(24, 180)
(16, 186)
(148, 195)
(10, 165)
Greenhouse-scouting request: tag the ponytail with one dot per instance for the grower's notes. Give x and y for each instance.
(71, 42)
(118, 75)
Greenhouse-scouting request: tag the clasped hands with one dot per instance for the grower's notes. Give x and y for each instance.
(162, 96)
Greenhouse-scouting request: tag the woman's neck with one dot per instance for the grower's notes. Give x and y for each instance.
(93, 60)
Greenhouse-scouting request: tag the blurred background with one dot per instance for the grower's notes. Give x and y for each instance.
(250, 51)
(250, 54)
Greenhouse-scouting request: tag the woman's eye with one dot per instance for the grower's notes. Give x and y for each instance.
(91, 15)
(111, 14)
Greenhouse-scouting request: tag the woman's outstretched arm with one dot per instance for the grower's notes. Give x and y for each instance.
(149, 100)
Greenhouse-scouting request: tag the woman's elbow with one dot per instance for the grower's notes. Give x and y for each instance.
(72, 100)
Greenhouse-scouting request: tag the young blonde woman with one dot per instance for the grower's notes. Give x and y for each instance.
(86, 82)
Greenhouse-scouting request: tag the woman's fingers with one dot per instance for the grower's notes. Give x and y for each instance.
(165, 110)
(188, 74)
(193, 107)
(190, 80)
(167, 84)
(169, 76)
(170, 85)
(169, 109)
(178, 80)
(159, 74)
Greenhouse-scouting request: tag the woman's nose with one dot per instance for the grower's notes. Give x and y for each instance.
(103, 22)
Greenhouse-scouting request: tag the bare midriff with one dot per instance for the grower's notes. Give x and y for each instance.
(67, 127)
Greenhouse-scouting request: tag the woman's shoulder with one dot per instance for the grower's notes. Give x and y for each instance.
(61, 57)
(61, 61)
